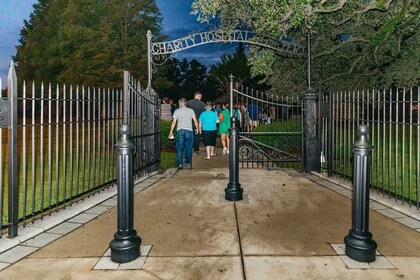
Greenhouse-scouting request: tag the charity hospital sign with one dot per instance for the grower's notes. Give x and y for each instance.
(227, 36)
(159, 52)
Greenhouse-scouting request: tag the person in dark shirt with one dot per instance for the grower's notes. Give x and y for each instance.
(254, 111)
(173, 106)
(199, 107)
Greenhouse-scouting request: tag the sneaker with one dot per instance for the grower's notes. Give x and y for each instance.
(180, 166)
(197, 152)
(188, 166)
(225, 150)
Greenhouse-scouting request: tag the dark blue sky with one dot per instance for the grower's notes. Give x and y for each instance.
(177, 22)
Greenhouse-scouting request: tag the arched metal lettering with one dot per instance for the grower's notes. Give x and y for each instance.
(160, 52)
(228, 36)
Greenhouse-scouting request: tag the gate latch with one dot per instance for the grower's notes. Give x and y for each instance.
(4, 112)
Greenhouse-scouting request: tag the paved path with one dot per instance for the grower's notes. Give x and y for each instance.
(285, 231)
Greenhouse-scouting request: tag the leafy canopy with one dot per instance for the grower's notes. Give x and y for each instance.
(357, 43)
(87, 42)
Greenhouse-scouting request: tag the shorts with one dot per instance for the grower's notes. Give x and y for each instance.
(209, 137)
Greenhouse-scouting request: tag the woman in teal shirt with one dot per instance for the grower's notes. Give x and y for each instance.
(224, 126)
(207, 127)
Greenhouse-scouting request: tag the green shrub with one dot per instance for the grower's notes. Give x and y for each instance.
(165, 143)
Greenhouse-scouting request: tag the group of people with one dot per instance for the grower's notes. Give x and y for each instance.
(195, 120)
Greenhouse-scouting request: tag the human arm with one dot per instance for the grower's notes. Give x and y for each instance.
(195, 123)
(172, 128)
(200, 127)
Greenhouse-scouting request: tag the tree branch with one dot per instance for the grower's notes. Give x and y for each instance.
(343, 44)
(335, 8)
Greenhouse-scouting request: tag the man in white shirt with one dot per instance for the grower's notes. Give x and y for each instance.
(184, 132)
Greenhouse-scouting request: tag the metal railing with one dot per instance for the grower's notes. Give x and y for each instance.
(65, 139)
(393, 117)
(272, 137)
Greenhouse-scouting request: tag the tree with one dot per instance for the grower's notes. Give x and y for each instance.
(358, 43)
(87, 41)
(231, 64)
(187, 77)
(235, 64)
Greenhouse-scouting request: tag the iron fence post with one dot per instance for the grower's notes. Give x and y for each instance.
(149, 59)
(310, 139)
(125, 246)
(330, 135)
(359, 243)
(234, 192)
(13, 191)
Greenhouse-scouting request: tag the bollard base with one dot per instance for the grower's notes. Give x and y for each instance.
(361, 248)
(125, 248)
(234, 192)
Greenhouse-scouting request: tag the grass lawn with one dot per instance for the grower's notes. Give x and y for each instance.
(167, 160)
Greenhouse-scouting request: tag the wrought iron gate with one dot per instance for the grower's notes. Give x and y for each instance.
(57, 144)
(271, 129)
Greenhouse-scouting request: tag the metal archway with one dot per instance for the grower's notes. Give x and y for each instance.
(159, 52)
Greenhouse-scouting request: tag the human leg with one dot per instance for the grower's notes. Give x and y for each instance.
(212, 151)
(213, 138)
(223, 141)
(188, 145)
(196, 143)
(180, 143)
(227, 142)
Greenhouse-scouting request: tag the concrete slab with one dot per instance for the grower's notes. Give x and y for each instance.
(382, 262)
(110, 202)
(64, 228)
(41, 240)
(82, 218)
(285, 229)
(16, 253)
(410, 222)
(105, 263)
(323, 267)
(377, 206)
(391, 213)
(3, 265)
(352, 264)
(155, 268)
(98, 210)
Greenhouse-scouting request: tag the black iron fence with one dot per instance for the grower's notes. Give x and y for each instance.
(394, 119)
(270, 129)
(57, 145)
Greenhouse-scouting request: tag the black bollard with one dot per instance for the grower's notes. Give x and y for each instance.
(359, 243)
(125, 246)
(233, 192)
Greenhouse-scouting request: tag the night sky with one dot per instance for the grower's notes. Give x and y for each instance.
(177, 22)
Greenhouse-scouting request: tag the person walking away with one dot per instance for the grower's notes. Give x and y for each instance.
(254, 112)
(238, 114)
(199, 107)
(207, 127)
(183, 118)
(218, 108)
(224, 125)
(173, 106)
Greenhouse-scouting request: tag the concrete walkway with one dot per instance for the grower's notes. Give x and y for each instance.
(292, 227)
